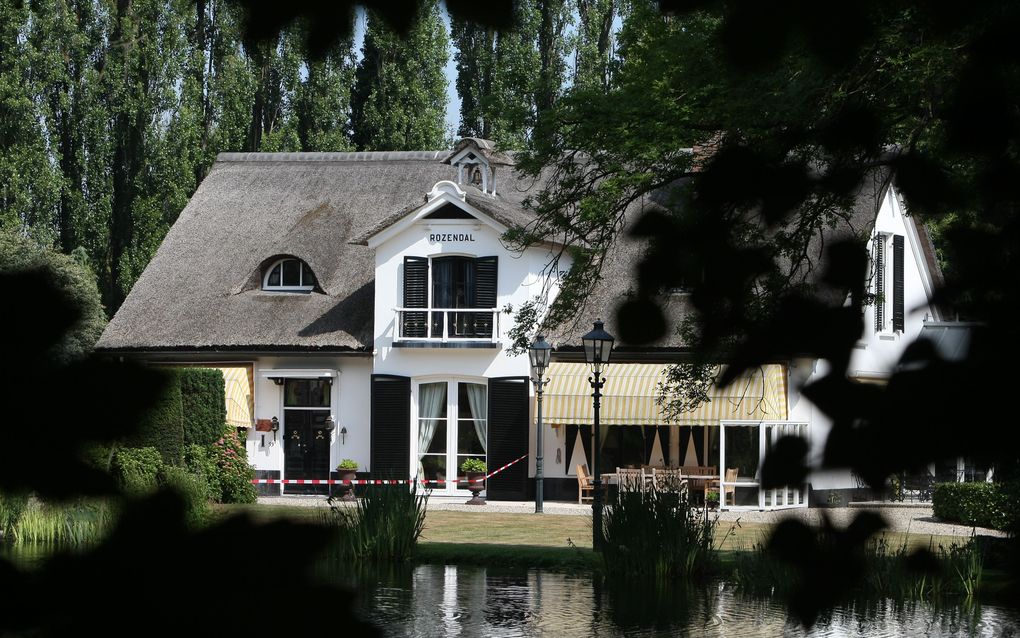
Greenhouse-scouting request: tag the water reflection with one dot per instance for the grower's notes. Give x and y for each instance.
(449, 600)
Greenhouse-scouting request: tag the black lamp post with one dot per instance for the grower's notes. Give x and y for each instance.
(539, 352)
(598, 346)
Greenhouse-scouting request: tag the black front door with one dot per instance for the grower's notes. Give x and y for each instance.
(306, 449)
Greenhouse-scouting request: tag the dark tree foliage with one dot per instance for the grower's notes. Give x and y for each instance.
(202, 408)
(789, 109)
(152, 563)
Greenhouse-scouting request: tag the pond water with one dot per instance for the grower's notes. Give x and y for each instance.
(468, 601)
(450, 600)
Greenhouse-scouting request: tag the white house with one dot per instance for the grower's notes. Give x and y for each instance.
(358, 300)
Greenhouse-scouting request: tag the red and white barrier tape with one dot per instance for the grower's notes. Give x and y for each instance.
(379, 481)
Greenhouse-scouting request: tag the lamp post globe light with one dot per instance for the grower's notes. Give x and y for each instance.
(538, 353)
(598, 347)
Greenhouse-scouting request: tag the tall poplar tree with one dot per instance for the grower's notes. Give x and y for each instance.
(593, 52)
(29, 181)
(400, 92)
(322, 103)
(497, 77)
(554, 15)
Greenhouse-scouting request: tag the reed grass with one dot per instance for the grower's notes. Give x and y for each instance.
(898, 572)
(656, 535)
(383, 526)
(64, 524)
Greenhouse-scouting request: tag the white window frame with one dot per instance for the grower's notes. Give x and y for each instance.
(452, 417)
(281, 287)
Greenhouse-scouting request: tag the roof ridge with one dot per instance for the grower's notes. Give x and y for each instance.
(356, 156)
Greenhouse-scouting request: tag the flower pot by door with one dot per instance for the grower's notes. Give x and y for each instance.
(476, 484)
(347, 490)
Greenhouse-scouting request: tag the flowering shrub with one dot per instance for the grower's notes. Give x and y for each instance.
(234, 474)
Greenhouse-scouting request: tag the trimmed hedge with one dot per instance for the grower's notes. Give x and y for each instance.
(202, 404)
(993, 505)
(162, 427)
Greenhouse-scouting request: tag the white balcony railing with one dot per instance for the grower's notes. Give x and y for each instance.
(443, 325)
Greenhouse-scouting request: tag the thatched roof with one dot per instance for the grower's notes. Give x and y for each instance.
(619, 282)
(202, 290)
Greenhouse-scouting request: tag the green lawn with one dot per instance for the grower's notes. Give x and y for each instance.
(546, 530)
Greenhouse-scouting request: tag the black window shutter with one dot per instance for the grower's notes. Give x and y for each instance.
(880, 300)
(486, 276)
(897, 306)
(391, 426)
(416, 295)
(507, 438)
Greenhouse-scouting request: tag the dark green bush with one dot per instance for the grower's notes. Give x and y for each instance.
(994, 505)
(191, 488)
(162, 426)
(137, 470)
(71, 277)
(202, 406)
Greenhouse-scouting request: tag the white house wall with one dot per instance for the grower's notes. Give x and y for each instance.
(876, 353)
(350, 406)
(520, 278)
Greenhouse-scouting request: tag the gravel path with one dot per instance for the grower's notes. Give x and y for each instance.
(913, 519)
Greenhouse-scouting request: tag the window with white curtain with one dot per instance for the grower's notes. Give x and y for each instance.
(451, 428)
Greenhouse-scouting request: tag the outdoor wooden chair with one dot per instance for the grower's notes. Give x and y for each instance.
(669, 480)
(703, 485)
(730, 490)
(585, 487)
(630, 480)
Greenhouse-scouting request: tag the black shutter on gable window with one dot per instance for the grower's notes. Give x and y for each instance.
(880, 300)
(486, 277)
(391, 427)
(416, 295)
(507, 438)
(897, 305)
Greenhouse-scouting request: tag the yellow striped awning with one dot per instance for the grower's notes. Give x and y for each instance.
(631, 389)
(239, 391)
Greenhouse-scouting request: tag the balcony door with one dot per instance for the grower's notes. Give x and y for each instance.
(457, 295)
(451, 428)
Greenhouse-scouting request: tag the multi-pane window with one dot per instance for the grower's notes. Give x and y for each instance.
(306, 393)
(289, 274)
(444, 285)
(451, 428)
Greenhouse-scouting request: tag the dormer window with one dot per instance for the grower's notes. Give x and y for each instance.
(289, 275)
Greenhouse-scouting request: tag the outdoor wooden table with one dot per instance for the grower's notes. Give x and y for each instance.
(613, 478)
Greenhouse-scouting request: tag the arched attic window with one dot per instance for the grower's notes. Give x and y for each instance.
(289, 274)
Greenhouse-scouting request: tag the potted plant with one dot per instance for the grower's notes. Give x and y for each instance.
(712, 499)
(475, 471)
(347, 469)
